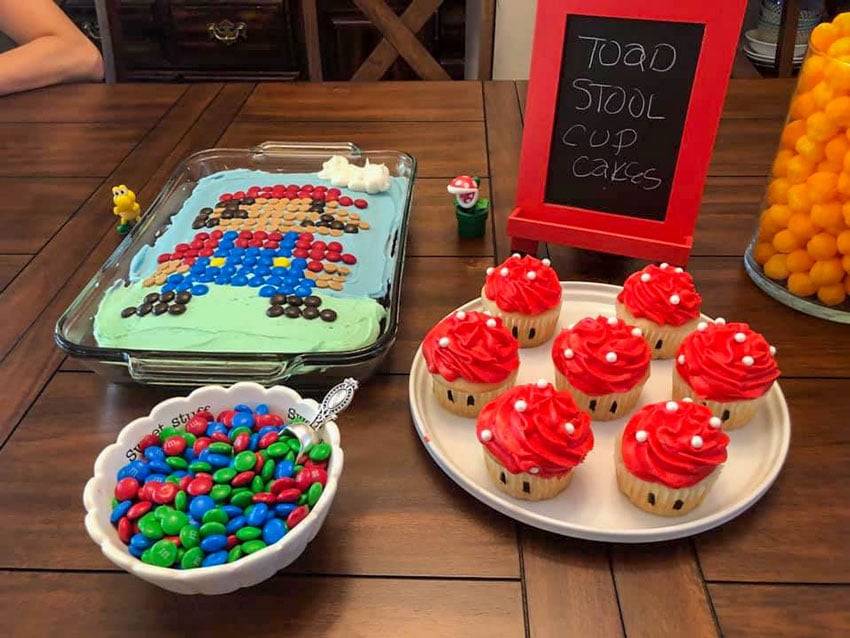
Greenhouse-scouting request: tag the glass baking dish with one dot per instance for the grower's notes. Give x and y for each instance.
(313, 370)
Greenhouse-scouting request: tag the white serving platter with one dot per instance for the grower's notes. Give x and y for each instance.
(592, 507)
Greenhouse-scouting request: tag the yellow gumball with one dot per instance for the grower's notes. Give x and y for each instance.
(838, 110)
(836, 73)
(845, 263)
(799, 170)
(842, 242)
(820, 127)
(843, 184)
(823, 94)
(811, 73)
(792, 132)
(801, 226)
(822, 186)
(780, 163)
(845, 210)
(777, 191)
(833, 294)
(840, 47)
(799, 261)
(779, 215)
(800, 284)
(822, 246)
(836, 149)
(828, 167)
(768, 227)
(827, 272)
(810, 149)
(785, 241)
(798, 198)
(775, 267)
(763, 251)
(842, 23)
(803, 106)
(827, 215)
(824, 35)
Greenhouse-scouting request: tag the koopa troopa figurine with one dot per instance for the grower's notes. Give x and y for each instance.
(126, 208)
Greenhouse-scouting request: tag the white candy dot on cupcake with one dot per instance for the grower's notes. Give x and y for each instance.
(687, 400)
(491, 323)
(569, 427)
(696, 441)
(772, 351)
(681, 359)
(611, 357)
(490, 270)
(613, 321)
(516, 255)
(504, 272)
(488, 313)
(542, 383)
(715, 422)
(637, 332)
(520, 406)
(460, 314)
(671, 406)
(534, 470)
(569, 354)
(748, 361)
(531, 275)
(678, 270)
(740, 337)
(701, 326)
(444, 342)
(486, 435)
(546, 262)
(640, 436)
(675, 300)
(720, 321)
(664, 265)
(645, 277)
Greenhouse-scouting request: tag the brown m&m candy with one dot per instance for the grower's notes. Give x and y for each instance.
(275, 310)
(160, 308)
(128, 312)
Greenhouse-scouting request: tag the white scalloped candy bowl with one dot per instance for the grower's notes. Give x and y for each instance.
(220, 579)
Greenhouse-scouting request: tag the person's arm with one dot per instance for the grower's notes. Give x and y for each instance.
(52, 49)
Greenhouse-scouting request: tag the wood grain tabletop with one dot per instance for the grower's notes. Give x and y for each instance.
(404, 552)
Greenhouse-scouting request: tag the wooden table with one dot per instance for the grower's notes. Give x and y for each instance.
(405, 552)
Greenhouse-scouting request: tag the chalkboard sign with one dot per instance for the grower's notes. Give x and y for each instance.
(623, 105)
(622, 99)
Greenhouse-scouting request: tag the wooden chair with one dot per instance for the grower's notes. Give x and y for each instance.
(110, 40)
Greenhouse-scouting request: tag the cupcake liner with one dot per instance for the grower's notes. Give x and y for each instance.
(530, 330)
(528, 487)
(733, 414)
(669, 337)
(606, 407)
(656, 498)
(464, 398)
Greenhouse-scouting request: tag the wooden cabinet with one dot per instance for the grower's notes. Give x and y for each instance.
(258, 39)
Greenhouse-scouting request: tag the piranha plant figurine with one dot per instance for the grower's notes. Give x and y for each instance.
(125, 207)
(471, 209)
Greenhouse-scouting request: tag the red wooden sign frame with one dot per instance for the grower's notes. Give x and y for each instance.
(670, 240)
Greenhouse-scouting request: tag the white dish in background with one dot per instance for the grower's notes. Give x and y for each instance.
(768, 60)
(592, 506)
(762, 47)
(220, 579)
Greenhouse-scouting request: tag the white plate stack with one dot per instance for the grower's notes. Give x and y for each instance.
(761, 42)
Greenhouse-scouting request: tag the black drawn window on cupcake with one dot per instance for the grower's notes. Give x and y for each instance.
(651, 498)
(593, 405)
(502, 477)
(526, 487)
(450, 396)
(515, 332)
(659, 344)
(678, 504)
(531, 333)
(613, 408)
(470, 401)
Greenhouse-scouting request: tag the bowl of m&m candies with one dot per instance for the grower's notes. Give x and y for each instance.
(210, 493)
(800, 253)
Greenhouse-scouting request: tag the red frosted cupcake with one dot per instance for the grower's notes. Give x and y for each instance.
(663, 302)
(526, 294)
(472, 359)
(728, 367)
(533, 438)
(669, 455)
(603, 363)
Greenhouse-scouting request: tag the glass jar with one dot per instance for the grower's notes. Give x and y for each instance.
(800, 251)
